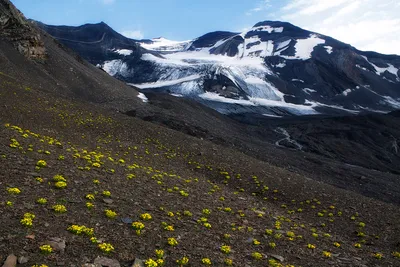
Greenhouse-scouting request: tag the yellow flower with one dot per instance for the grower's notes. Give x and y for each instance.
(89, 205)
(59, 208)
(106, 247)
(59, 178)
(228, 262)
(169, 228)
(89, 196)
(46, 249)
(13, 190)
(159, 253)
(357, 245)
(183, 261)
(226, 249)
(327, 254)
(138, 227)
(41, 201)
(60, 185)
(106, 193)
(110, 214)
(311, 246)
(172, 241)
(146, 216)
(206, 261)
(79, 229)
(336, 244)
(206, 211)
(378, 255)
(41, 163)
(256, 242)
(151, 263)
(257, 255)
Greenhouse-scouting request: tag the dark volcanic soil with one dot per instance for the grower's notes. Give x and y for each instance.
(150, 169)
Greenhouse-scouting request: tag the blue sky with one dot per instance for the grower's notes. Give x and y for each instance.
(365, 24)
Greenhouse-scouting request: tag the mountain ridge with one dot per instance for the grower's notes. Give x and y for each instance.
(274, 68)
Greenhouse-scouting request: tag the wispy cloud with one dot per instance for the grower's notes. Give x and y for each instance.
(134, 34)
(261, 6)
(365, 24)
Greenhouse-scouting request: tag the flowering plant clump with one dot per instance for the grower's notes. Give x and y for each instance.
(257, 255)
(138, 227)
(336, 244)
(378, 255)
(396, 254)
(110, 214)
(89, 205)
(311, 246)
(150, 263)
(41, 265)
(81, 229)
(187, 213)
(41, 201)
(60, 185)
(106, 247)
(89, 197)
(46, 249)
(228, 262)
(59, 208)
(41, 163)
(107, 193)
(59, 178)
(327, 254)
(226, 249)
(145, 217)
(13, 190)
(172, 242)
(206, 261)
(183, 261)
(27, 220)
(206, 212)
(169, 228)
(159, 253)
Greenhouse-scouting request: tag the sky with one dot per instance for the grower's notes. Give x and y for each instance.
(372, 25)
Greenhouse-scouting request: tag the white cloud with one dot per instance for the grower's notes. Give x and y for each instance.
(135, 34)
(366, 24)
(108, 2)
(262, 5)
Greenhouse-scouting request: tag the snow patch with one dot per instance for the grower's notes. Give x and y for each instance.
(253, 101)
(297, 80)
(309, 90)
(346, 92)
(143, 97)
(115, 66)
(124, 52)
(162, 44)
(329, 49)
(304, 47)
(379, 71)
(164, 83)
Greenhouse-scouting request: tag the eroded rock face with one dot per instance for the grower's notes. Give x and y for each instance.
(14, 27)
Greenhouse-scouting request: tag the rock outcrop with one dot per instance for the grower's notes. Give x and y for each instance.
(15, 28)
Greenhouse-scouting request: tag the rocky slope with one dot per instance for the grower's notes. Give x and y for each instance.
(84, 185)
(275, 68)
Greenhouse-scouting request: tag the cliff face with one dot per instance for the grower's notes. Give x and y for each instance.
(15, 28)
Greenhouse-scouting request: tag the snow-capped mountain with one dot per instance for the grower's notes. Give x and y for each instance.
(275, 69)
